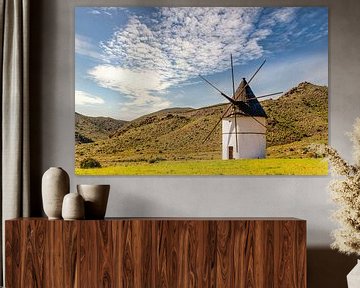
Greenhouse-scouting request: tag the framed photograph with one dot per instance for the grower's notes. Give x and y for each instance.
(200, 90)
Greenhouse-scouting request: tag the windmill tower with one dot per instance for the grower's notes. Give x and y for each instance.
(244, 132)
(243, 121)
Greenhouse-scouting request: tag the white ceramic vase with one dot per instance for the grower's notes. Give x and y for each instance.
(353, 278)
(55, 185)
(96, 198)
(73, 207)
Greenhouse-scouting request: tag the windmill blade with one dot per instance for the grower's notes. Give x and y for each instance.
(252, 77)
(212, 130)
(262, 96)
(233, 86)
(229, 106)
(247, 84)
(222, 93)
(232, 75)
(231, 100)
(217, 123)
(236, 136)
(256, 120)
(212, 85)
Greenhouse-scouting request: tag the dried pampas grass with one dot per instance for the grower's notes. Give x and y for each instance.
(345, 192)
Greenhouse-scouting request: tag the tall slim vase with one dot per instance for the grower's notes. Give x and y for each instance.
(55, 185)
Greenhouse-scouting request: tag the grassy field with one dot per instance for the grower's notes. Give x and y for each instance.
(216, 167)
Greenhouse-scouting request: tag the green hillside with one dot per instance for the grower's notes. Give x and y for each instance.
(300, 113)
(90, 129)
(296, 119)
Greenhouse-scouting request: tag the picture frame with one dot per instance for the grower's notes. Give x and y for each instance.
(200, 90)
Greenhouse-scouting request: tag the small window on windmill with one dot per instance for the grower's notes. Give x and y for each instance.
(231, 152)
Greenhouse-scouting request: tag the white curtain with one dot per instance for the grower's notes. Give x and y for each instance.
(14, 39)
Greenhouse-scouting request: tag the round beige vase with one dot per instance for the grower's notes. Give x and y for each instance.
(73, 207)
(55, 185)
(96, 198)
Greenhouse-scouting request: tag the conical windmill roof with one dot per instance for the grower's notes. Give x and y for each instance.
(246, 95)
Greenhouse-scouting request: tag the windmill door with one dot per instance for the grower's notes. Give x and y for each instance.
(231, 152)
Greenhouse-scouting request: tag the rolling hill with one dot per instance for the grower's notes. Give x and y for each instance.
(299, 113)
(90, 129)
(296, 119)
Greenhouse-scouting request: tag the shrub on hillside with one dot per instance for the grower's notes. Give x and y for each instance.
(90, 163)
(156, 160)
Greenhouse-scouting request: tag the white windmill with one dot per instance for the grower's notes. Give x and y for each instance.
(243, 122)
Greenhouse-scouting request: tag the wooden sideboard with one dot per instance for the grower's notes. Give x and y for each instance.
(156, 252)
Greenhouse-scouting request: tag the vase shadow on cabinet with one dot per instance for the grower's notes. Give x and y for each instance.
(328, 268)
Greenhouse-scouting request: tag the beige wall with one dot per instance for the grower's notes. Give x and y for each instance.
(52, 124)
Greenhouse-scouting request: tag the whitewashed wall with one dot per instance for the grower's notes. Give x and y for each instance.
(251, 137)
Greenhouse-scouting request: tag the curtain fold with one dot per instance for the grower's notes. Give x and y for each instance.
(15, 166)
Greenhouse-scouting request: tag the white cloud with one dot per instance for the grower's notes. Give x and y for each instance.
(180, 43)
(198, 39)
(84, 46)
(84, 98)
(136, 84)
(95, 12)
(283, 15)
(109, 11)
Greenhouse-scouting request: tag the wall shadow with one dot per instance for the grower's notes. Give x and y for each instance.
(35, 104)
(328, 268)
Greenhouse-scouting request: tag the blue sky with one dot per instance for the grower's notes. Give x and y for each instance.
(134, 61)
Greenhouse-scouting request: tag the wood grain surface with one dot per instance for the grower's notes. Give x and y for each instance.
(162, 252)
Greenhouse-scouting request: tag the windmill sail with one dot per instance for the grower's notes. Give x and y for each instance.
(234, 109)
(249, 105)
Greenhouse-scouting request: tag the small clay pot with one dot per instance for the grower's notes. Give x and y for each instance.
(73, 207)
